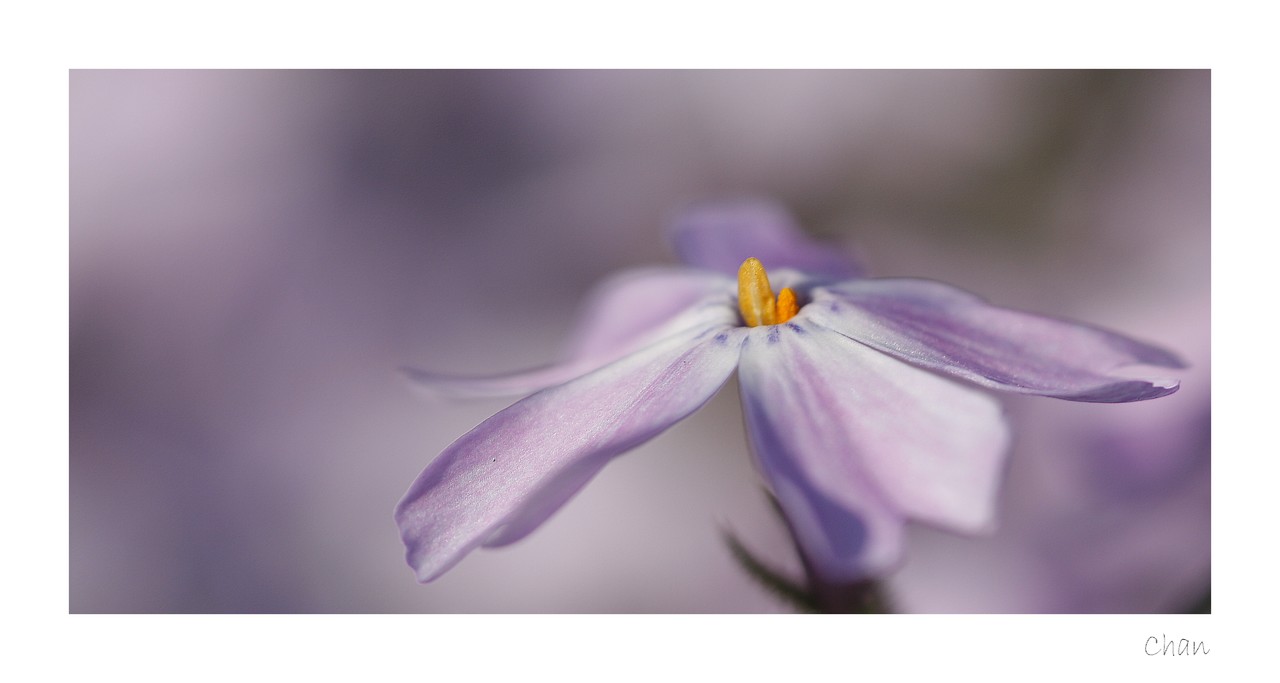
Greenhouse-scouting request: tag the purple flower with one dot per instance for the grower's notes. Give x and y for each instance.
(853, 421)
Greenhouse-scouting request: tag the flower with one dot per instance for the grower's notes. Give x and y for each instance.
(853, 420)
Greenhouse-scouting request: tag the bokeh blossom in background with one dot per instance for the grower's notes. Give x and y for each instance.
(253, 254)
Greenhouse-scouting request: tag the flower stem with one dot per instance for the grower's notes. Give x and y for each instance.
(813, 595)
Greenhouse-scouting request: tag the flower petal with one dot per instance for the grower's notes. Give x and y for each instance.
(626, 312)
(721, 236)
(521, 465)
(632, 306)
(852, 441)
(939, 327)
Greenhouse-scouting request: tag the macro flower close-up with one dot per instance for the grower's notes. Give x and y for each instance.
(639, 341)
(863, 397)
(480, 351)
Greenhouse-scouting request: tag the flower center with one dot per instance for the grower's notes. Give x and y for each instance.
(756, 300)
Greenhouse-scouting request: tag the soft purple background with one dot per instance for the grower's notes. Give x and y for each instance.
(254, 253)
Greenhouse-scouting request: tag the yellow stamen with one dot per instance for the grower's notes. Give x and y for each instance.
(756, 300)
(786, 307)
(755, 297)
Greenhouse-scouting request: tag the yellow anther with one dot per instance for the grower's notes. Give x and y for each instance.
(786, 307)
(756, 300)
(755, 297)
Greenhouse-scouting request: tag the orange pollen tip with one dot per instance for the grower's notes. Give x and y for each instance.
(786, 306)
(755, 297)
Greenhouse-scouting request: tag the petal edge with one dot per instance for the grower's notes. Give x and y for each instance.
(939, 327)
(505, 477)
(720, 236)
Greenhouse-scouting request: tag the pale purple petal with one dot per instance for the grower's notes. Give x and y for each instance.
(721, 236)
(628, 308)
(936, 326)
(853, 441)
(519, 466)
(625, 313)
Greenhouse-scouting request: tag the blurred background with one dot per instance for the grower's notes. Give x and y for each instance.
(253, 254)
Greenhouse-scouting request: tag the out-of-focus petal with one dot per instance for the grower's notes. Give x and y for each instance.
(630, 309)
(939, 327)
(852, 441)
(519, 466)
(626, 312)
(721, 236)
